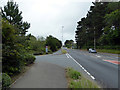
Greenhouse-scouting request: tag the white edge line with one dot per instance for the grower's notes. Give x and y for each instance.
(82, 67)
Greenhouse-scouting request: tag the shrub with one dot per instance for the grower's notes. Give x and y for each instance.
(64, 51)
(29, 59)
(6, 80)
(73, 73)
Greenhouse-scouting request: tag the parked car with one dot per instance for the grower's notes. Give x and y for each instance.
(91, 50)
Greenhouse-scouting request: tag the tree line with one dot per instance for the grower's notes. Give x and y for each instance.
(69, 43)
(18, 49)
(101, 25)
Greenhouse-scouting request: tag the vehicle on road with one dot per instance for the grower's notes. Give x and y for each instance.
(91, 50)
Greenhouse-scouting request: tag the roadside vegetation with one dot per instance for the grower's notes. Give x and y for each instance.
(64, 51)
(77, 80)
(109, 51)
(18, 47)
(102, 25)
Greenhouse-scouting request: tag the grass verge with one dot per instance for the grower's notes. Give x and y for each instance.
(109, 51)
(105, 51)
(64, 51)
(77, 80)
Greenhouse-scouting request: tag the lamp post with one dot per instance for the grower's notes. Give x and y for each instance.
(62, 36)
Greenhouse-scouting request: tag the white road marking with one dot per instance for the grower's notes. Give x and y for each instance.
(88, 73)
(93, 56)
(82, 67)
(67, 55)
(98, 56)
(109, 62)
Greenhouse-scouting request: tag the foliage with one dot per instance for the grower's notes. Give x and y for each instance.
(64, 51)
(53, 43)
(6, 80)
(12, 14)
(73, 73)
(109, 51)
(10, 53)
(83, 83)
(102, 23)
(29, 59)
(69, 43)
(15, 46)
(76, 80)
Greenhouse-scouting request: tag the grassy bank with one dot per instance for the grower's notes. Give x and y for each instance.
(77, 80)
(64, 51)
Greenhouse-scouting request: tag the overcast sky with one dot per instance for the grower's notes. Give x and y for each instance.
(48, 16)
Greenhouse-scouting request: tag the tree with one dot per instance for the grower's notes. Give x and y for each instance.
(53, 43)
(69, 43)
(15, 46)
(112, 28)
(9, 49)
(101, 23)
(12, 14)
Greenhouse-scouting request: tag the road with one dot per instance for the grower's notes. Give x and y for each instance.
(103, 67)
(96, 67)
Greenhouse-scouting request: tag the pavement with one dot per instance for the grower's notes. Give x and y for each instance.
(42, 75)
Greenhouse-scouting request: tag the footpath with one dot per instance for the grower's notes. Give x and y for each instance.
(42, 75)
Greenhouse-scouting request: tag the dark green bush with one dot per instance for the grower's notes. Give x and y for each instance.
(29, 59)
(6, 80)
(11, 61)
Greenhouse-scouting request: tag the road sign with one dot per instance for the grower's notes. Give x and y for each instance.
(46, 49)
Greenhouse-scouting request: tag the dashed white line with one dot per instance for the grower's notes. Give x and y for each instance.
(82, 67)
(98, 56)
(92, 77)
(88, 73)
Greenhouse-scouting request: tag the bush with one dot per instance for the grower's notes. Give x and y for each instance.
(11, 61)
(77, 80)
(29, 59)
(73, 73)
(64, 51)
(6, 80)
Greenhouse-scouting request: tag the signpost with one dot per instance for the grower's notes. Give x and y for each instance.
(46, 49)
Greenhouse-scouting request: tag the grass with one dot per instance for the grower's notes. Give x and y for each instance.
(109, 51)
(106, 51)
(77, 80)
(64, 51)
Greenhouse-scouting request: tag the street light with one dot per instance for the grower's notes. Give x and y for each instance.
(62, 36)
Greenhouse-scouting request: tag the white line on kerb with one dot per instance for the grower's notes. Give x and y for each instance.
(81, 66)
